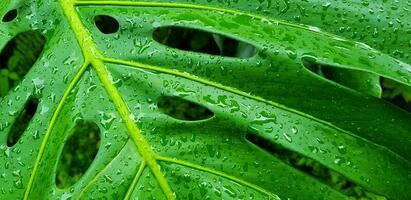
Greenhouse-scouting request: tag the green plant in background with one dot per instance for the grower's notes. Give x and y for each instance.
(78, 153)
(394, 89)
(205, 100)
(17, 58)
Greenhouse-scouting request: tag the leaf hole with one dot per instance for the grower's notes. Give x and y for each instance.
(189, 39)
(17, 58)
(106, 24)
(396, 93)
(178, 108)
(22, 122)
(360, 81)
(79, 151)
(391, 91)
(10, 15)
(312, 168)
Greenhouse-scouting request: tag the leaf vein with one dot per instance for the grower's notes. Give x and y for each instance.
(241, 93)
(92, 53)
(135, 180)
(94, 179)
(51, 126)
(198, 7)
(219, 173)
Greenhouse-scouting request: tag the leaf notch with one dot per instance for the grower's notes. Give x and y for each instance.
(200, 41)
(311, 168)
(360, 81)
(84, 141)
(17, 58)
(106, 24)
(23, 120)
(10, 15)
(182, 109)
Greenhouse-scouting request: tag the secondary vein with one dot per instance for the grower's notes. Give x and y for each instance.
(91, 52)
(135, 180)
(51, 126)
(219, 173)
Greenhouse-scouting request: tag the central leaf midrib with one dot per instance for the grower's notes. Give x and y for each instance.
(91, 54)
(224, 87)
(50, 128)
(97, 60)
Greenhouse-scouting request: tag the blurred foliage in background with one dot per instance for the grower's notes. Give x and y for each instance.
(17, 56)
(16, 59)
(78, 153)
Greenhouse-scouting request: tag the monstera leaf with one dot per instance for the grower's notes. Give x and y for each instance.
(305, 79)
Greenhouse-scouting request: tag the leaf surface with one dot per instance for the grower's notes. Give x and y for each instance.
(115, 80)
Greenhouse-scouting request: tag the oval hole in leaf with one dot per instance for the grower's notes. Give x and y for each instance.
(79, 151)
(312, 168)
(10, 16)
(189, 39)
(106, 24)
(17, 58)
(182, 109)
(364, 82)
(22, 122)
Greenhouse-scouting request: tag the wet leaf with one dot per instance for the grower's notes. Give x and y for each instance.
(101, 64)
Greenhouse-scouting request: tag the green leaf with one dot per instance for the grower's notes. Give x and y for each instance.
(4, 82)
(363, 82)
(115, 79)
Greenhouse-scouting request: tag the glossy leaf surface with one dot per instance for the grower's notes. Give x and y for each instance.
(115, 75)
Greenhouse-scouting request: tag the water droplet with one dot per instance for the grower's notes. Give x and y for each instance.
(287, 137)
(342, 149)
(294, 130)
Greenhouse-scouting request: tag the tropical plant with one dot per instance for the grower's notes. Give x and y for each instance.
(205, 99)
